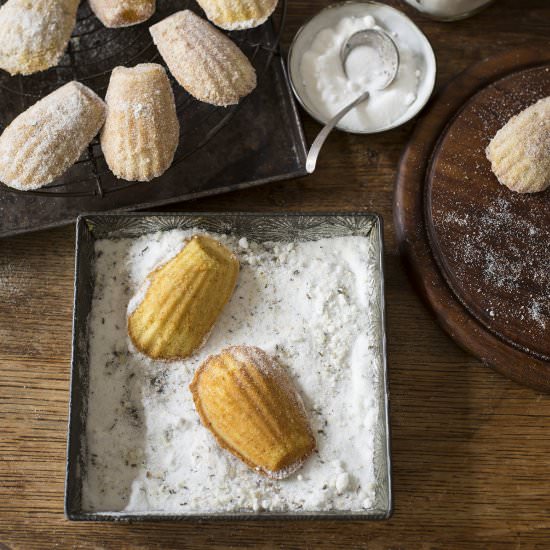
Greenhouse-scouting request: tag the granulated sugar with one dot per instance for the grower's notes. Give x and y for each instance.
(310, 304)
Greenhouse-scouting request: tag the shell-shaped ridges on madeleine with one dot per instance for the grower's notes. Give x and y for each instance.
(183, 300)
(520, 151)
(238, 14)
(123, 13)
(34, 34)
(249, 403)
(49, 137)
(141, 132)
(203, 60)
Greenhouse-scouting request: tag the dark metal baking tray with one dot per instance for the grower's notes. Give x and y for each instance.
(259, 227)
(221, 149)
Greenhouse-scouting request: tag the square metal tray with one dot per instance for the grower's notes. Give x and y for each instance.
(221, 149)
(258, 227)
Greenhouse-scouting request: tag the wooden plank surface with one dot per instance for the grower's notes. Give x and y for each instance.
(470, 448)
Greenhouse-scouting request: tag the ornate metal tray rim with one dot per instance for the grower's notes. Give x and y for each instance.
(139, 209)
(298, 226)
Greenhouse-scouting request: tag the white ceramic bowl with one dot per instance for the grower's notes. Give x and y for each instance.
(389, 19)
(446, 15)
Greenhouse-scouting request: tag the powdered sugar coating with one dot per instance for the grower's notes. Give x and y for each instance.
(123, 13)
(520, 151)
(34, 35)
(204, 60)
(307, 304)
(141, 132)
(233, 15)
(48, 138)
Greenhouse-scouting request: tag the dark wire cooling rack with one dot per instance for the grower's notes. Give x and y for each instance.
(92, 53)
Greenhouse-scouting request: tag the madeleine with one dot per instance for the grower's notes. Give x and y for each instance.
(34, 35)
(44, 141)
(520, 151)
(182, 300)
(203, 60)
(141, 132)
(249, 403)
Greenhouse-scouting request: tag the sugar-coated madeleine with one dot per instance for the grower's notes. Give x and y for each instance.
(238, 14)
(520, 151)
(123, 13)
(34, 33)
(44, 141)
(174, 312)
(248, 401)
(141, 132)
(203, 60)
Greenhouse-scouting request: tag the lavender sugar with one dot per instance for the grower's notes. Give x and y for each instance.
(312, 305)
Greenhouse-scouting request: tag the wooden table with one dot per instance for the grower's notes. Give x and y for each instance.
(470, 449)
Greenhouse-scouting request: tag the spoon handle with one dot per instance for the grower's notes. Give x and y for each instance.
(316, 146)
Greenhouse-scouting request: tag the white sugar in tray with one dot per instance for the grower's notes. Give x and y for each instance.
(315, 306)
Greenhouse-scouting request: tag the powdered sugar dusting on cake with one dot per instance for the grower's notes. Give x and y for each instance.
(46, 139)
(34, 35)
(235, 15)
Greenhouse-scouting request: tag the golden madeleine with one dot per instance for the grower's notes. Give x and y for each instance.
(44, 141)
(34, 34)
(123, 13)
(141, 131)
(183, 299)
(238, 14)
(203, 60)
(520, 151)
(249, 403)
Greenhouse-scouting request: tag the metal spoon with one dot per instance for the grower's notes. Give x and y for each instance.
(386, 48)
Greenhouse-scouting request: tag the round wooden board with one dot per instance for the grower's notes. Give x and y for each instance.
(458, 227)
